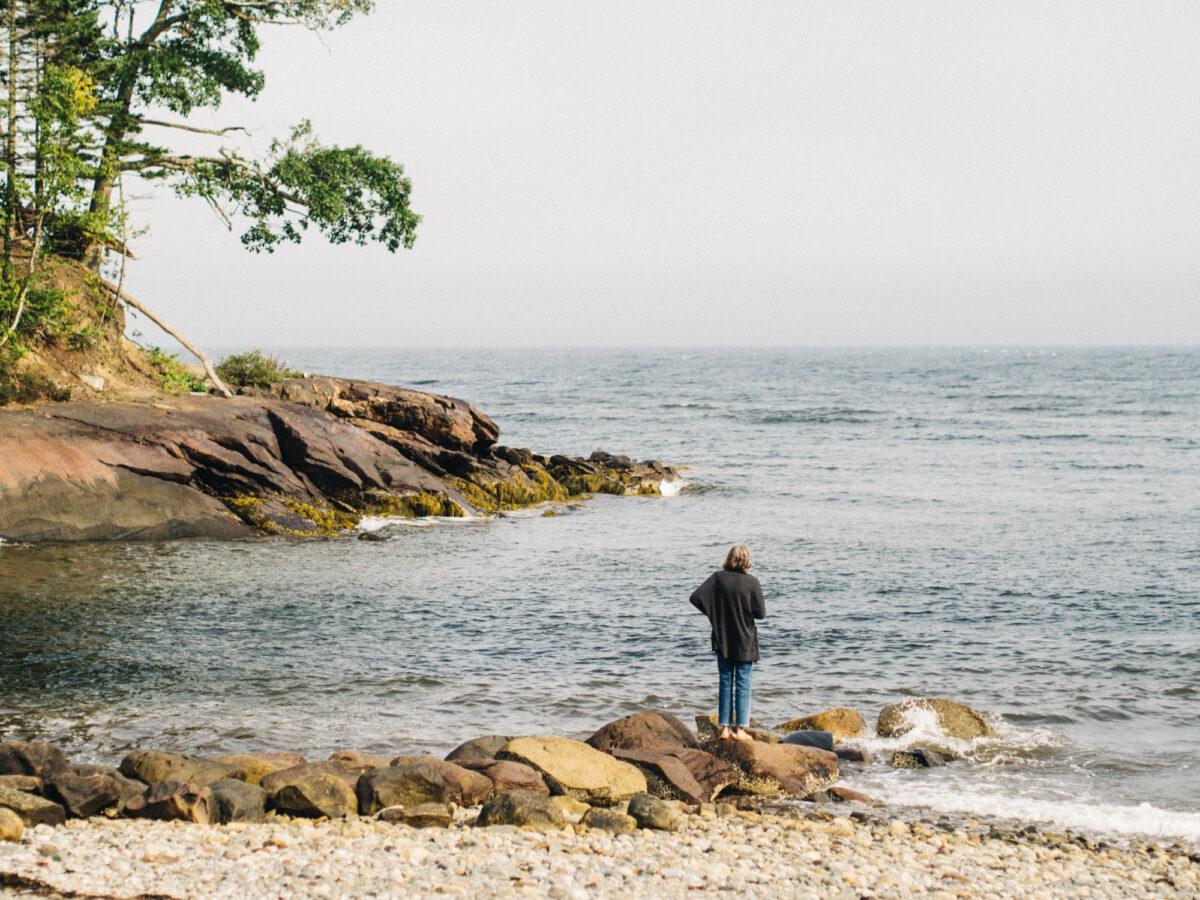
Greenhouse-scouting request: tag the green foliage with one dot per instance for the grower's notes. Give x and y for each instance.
(84, 338)
(252, 369)
(174, 376)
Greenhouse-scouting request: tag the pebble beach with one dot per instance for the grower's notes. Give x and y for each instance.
(813, 854)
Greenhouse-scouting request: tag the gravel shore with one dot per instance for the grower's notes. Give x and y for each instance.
(743, 854)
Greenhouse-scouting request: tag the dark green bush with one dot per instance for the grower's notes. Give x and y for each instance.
(252, 369)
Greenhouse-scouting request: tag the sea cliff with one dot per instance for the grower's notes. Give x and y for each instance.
(309, 456)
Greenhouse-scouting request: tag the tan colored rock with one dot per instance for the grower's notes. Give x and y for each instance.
(364, 760)
(254, 767)
(601, 819)
(954, 719)
(841, 722)
(11, 826)
(347, 772)
(28, 784)
(577, 770)
(571, 808)
(644, 731)
(156, 766)
(777, 770)
(32, 809)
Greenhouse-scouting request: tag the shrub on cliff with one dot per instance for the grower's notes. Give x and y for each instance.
(252, 369)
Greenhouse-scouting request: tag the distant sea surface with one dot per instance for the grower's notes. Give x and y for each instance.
(1017, 530)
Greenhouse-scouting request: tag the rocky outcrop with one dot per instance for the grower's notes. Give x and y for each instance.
(577, 770)
(841, 722)
(682, 773)
(777, 770)
(311, 457)
(954, 719)
(644, 731)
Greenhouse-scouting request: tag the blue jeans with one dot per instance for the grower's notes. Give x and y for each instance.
(734, 693)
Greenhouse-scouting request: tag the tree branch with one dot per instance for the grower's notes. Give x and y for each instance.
(217, 131)
(196, 352)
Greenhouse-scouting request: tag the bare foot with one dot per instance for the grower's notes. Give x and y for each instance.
(742, 735)
(725, 734)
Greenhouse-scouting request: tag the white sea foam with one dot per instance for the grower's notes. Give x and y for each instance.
(671, 488)
(377, 523)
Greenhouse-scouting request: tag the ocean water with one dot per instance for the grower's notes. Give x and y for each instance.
(1018, 530)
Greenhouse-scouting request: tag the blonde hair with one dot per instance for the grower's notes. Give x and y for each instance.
(738, 558)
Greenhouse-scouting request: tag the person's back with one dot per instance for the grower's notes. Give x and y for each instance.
(732, 599)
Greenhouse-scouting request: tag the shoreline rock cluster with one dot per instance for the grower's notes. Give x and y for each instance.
(311, 456)
(645, 807)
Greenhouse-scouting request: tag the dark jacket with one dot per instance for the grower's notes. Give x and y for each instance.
(732, 601)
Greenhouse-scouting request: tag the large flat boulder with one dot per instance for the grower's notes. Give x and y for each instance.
(644, 731)
(841, 722)
(777, 770)
(954, 720)
(577, 770)
(682, 774)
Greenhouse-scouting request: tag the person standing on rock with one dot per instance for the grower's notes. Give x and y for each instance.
(732, 599)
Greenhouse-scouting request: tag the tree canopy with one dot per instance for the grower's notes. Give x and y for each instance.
(95, 89)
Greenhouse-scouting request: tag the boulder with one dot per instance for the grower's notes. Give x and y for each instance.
(37, 758)
(255, 767)
(173, 801)
(405, 785)
(822, 740)
(465, 787)
(366, 761)
(841, 794)
(237, 801)
(524, 809)
(29, 784)
(130, 787)
(682, 774)
(708, 729)
(84, 795)
(155, 766)
(854, 755)
(953, 719)
(507, 775)
(571, 808)
(841, 722)
(917, 758)
(577, 770)
(423, 815)
(32, 809)
(11, 826)
(653, 812)
(314, 796)
(484, 747)
(644, 731)
(774, 770)
(601, 819)
(347, 772)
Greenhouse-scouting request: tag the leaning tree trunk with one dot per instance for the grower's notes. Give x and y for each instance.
(191, 348)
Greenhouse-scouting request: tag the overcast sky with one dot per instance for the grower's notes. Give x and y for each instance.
(745, 173)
